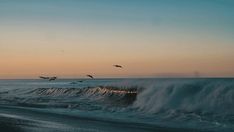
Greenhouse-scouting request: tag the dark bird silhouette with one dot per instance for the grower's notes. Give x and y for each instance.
(44, 77)
(52, 78)
(48, 78)
(118, 66)
(90, 76)
(80, 81)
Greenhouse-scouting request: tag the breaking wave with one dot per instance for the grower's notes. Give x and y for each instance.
(72, 97)
(191, 96)
(104, 91)
(194, 103)
(170, 97)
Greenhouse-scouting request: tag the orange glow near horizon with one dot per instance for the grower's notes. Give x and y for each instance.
(65, 39)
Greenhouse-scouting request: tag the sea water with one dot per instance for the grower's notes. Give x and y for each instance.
(96, 105)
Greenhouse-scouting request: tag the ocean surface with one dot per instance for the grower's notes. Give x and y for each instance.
(117, 105)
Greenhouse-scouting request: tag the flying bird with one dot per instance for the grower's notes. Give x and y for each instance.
(44, 77)
(90, 76)
(52, 78)
(48, 78)
(118, 66)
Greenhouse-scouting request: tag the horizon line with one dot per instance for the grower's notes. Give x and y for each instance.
(190, 77)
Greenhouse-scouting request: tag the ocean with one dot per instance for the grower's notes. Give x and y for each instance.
(117, 105)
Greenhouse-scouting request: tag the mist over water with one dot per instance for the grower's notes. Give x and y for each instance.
(155, 104)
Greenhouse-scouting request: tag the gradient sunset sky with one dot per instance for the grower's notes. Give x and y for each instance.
(150, 38)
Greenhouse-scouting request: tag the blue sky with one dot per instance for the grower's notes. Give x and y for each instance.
(190, 13)
(170, 32)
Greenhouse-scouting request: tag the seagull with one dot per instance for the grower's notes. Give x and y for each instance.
(44, 77)
(90, 76)
(52, 78)
(48, 78)
(118, 66)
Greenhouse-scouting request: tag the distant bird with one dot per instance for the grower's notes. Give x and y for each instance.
(48, 78)
(90, 76)
(44, 77)
(52, 78)
(80, 81)
(118, 66)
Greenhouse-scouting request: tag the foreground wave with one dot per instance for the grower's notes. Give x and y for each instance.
(194, 104)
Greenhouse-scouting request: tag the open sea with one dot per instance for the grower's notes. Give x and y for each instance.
(117, 105)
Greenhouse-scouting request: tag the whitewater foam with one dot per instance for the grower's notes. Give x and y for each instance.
(207, 103)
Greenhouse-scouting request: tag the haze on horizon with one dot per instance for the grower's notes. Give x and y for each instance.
(150, 38)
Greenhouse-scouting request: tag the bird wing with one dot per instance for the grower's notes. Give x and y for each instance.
(90, 76)
(119, 66)
(52, 78)
(44, 77)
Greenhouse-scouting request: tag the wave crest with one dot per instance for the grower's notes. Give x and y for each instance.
(108, 94)
(191, 96)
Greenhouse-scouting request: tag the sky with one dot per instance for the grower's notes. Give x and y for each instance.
(150, 38)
